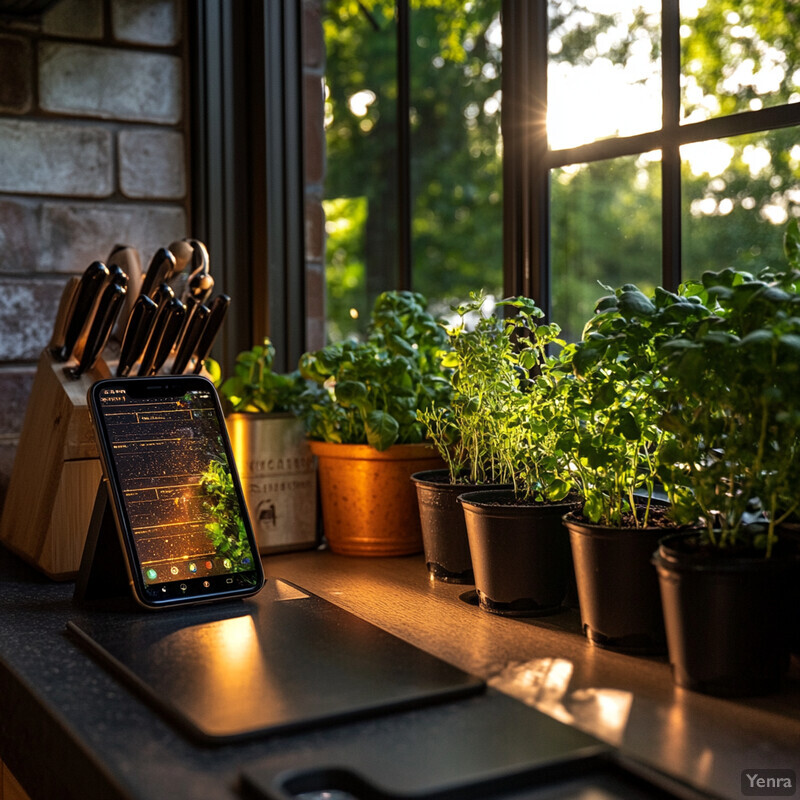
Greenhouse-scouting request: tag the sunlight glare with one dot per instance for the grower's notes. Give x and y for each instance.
(707, 158)
(360, 102)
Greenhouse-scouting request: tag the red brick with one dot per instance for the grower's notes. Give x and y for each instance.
(314, 133)
(313, 38)
(315, 290)
(315, 229)
(16, 69)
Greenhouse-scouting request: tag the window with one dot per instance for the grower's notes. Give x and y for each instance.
(670, 146)
(672, 142)
(413, 191)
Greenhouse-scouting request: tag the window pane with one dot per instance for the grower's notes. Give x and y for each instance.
(738, 194)
(361, 179)
(604, 70)
(738, 56)
(605, 228)
(456, 167)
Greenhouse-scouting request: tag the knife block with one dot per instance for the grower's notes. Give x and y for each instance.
(48, 507)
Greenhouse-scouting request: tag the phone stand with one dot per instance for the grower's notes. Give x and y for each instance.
(102, 575)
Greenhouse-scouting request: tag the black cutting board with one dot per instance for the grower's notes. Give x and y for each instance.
(287, 660)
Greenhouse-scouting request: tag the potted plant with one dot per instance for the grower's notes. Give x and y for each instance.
(277, 468)
(734, 386)
(615, 399)
(480, 364)
(360, 415)
(517, 543)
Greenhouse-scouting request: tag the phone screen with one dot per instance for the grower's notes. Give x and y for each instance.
(177, 496)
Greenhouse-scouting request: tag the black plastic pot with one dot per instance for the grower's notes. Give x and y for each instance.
(727, 618)
(444, 532)
(519, 553)
(617, 586)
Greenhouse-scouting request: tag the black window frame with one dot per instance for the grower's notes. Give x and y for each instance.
(247, 168)
(531, 161)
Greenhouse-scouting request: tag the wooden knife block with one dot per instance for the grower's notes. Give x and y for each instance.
(56, 472)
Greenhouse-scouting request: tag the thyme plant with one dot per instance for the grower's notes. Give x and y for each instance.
(494, 428)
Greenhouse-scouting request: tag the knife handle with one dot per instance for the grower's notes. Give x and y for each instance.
(107, 309)
(90, 284)
(163, 262)
(176, 312)
(163, 324)
(136, 332)
(68, 295)
(192, 330)
(127, 258)
(218, 310)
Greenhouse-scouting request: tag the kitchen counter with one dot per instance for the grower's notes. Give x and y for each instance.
(69, 728)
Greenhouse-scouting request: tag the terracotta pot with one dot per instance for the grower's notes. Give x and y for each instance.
(369, 505)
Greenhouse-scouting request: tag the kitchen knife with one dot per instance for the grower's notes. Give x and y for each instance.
(91, 282)
(165, 329)
(191, 332)
(162, 264)
(127, 258)
(182, 250)
(117, 277)
(218, 310)
(68, 295)
(105, 315)
(137, 332)
(175, 316)
(162, 294)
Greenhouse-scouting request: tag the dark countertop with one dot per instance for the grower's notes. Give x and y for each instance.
(69, 728)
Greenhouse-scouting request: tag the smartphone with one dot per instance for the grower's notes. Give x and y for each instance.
(174, 490)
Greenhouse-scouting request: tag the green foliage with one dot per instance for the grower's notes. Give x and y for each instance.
(226, 531)
(732, 376)
(255, 388)
(610, 384)
(499, 427)
(455, 135)
(369, 392)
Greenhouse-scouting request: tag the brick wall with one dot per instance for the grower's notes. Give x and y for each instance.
(93, 148)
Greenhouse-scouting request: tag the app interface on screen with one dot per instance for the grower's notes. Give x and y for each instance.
(177, 486)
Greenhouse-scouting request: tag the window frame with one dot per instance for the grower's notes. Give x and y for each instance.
(527, 175)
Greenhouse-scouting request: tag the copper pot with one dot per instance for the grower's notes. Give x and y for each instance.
(369, 504)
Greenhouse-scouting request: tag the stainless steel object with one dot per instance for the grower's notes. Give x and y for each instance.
(279, 479)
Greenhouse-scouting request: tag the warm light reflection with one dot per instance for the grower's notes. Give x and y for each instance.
(544, 684)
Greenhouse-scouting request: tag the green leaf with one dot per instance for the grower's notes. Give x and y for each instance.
(593, 507)
(628, 426)
(633, 303)
(381, 429)
(587, 354)
(791, 244)
(351, 393)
